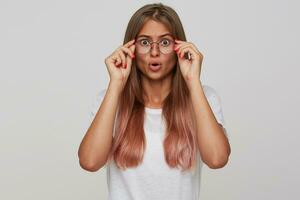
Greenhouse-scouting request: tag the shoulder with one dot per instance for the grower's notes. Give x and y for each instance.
(98, 98)
(209, 91)
(100, 94)
(212, 97)
(214, 101)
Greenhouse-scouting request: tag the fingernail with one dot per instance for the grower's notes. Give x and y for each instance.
(133, 56)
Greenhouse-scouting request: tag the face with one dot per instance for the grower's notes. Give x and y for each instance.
(155, 32)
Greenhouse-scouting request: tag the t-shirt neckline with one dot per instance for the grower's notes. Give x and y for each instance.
(153, 110)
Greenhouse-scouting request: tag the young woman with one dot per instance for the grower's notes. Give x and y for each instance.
(156, 124)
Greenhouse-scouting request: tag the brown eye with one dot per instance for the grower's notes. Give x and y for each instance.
(144, 42)
(165, 42)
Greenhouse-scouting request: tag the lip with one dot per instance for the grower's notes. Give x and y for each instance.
(150, 63)
(155, 68)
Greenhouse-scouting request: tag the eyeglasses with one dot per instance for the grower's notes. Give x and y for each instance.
(144, 45)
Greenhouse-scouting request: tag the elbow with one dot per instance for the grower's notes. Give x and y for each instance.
(87, 163)
(90, 165)
(221, 160)
(218, 163)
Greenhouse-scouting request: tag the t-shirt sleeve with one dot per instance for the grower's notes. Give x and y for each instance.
(214, 101)
(95, 107)
(96, 104)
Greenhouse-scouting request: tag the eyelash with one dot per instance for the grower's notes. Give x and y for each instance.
(150, 40)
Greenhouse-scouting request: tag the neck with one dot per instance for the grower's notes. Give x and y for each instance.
(155, 91)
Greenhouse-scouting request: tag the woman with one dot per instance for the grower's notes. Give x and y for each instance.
(155, 124)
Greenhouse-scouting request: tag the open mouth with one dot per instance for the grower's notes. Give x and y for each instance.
(155, 66)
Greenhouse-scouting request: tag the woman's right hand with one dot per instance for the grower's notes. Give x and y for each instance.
(119, 63)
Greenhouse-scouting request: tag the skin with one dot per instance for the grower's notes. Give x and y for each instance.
(213, 145)
(212, 142)
(156, 84)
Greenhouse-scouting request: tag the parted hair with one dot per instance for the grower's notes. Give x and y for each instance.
(129, 140)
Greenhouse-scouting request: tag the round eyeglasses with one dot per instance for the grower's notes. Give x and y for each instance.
(144, 45)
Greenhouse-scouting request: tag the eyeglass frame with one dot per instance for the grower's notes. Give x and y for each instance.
(158, 42)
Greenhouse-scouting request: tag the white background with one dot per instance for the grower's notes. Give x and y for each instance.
(52, 66)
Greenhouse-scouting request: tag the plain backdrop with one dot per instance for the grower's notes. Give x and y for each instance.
(52, 67)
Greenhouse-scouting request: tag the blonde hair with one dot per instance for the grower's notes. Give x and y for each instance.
(129, 141)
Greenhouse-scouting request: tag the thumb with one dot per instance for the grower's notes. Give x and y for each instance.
(132, 48)
(129, 59)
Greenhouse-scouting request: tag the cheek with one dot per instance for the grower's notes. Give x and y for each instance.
(172, 60)
(140, 58)
(141, 63)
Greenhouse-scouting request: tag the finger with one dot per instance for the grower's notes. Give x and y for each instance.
(116, 59)
(179, 41)
(121, 54)
(186, 45)
(194, 47)
(128, 51)
(132, 48)
(129, 43)
(189, 50)
(128, 61)
(178, 46)
(183, 43)
(184, 50)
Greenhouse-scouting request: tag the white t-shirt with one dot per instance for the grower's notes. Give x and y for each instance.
(154, 179)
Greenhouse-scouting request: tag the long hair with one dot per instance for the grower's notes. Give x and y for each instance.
(129, 142)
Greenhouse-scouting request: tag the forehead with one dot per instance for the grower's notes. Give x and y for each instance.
(154, 29)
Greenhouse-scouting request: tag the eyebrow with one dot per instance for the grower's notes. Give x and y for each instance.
(148, 36)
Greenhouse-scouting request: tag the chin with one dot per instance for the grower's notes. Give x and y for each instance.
(158, 75)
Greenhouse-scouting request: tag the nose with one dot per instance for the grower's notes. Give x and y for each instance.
(154, 50)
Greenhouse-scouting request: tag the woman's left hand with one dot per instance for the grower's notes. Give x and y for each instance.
(190, 69)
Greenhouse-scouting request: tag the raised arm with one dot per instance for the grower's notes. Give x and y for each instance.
(96, 144)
